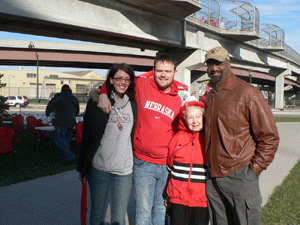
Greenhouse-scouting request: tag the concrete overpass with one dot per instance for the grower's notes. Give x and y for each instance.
(154, 25)
(79, 55)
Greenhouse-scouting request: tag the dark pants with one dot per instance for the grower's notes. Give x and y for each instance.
(235, 199)
(62, 139)
(185, 215)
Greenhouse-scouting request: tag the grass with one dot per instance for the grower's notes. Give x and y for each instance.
(287, 119)
(34, 162)
(283, 205)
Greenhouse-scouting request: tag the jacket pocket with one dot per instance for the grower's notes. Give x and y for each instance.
(232, 146)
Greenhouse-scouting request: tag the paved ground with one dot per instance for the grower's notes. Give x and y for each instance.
(55, 200)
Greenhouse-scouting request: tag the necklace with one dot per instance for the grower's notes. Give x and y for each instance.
(120, 114)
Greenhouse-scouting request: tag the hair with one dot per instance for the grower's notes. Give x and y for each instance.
(194, 106)
(165, 57)
(65, 87)
(111, 74)
(188, 104)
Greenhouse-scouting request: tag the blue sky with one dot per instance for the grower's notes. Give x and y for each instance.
(283, 13)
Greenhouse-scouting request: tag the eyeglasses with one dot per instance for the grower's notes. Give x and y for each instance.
(120, 79)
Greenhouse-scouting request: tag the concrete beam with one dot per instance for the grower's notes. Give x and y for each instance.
(110, 22)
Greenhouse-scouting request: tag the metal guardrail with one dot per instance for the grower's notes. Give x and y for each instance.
(290, 53)
(239, 15)
(30, 92)
(229, 14)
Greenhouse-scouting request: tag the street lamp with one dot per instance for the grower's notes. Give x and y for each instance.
(9, 82)
(250, 76)
(31, 46)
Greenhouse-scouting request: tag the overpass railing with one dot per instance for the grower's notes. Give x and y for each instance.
(271, 35)
(229, 15)
(290, 53)
(239, 15)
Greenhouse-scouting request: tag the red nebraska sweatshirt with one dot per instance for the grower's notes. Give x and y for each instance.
(156, 113)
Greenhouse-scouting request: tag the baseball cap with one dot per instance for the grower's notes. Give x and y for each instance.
(217, 53)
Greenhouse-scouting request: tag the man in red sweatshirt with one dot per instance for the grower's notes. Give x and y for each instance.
(158, 105)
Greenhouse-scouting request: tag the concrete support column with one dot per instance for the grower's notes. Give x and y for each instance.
(184, 76)
(279, 87)
(279, 91)
(195, 89)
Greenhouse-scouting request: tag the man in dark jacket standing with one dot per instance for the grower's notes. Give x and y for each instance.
(66, 107)
(241, 141)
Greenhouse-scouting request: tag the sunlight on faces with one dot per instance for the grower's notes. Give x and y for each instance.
(164, 73)
(215, 70)
(121, 82)
(194, 118)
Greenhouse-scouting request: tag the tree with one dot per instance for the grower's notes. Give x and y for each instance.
(3, 106)
(1, 85)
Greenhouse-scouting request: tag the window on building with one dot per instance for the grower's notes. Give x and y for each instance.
(52, 75)
(31, 75)
(62, 82)
(81, 89)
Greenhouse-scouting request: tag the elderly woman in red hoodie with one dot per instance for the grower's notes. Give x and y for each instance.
(186, 162)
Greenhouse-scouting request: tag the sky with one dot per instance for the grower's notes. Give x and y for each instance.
(283, 13)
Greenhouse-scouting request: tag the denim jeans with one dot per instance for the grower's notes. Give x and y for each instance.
(100, 183)
(149, 181)
(62, 139)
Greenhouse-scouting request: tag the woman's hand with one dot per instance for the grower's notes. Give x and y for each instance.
(84, 179)
(167, 202)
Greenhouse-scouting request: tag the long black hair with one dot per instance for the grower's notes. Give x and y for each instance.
(111, 74)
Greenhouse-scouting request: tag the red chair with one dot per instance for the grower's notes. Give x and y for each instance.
(17, 123)
(6, 144)
(42, 134)
(78, 134)
(31, 124)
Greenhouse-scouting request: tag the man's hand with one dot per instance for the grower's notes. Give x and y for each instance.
(104, 103)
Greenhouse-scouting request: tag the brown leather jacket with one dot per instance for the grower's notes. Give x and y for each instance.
(240, 128)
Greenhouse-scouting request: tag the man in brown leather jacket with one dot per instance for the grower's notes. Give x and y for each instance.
(241, 141)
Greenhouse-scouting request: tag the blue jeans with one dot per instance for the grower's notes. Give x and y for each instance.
(149, 181)
(62, 139)
(100, 183)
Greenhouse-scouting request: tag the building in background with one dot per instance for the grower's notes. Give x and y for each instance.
(24, 82)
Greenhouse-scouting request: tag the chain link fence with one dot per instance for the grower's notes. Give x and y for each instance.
(44, 93)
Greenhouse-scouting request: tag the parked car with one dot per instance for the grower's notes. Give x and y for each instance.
(17, 100)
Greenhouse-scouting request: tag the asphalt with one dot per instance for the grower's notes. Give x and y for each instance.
(55, 200)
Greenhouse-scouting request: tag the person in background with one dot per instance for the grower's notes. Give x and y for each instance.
(158, 106)
(186, 162)
(65, 107)
(203, 20)
(203, 98)
(222, 24)
(106, 156)
(241, 140)
(213, 22)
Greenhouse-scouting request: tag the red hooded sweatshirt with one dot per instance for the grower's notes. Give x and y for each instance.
(186, 163)
(156, 113)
